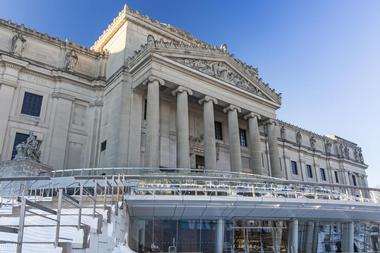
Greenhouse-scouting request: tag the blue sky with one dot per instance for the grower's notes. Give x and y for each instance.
(324, 56)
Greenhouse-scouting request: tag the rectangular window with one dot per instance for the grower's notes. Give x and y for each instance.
(103, 146)
(354, 180)
(199, 162)
(31, 104)
(243, 137)
(309, 171)
(323, 174)
(294, 167)
(218, 130)
(19, 138)
(145, 104)
(336, 177)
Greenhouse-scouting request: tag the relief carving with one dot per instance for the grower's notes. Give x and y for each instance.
(221, 71)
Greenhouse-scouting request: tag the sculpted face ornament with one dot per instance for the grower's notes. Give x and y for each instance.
(18, 44)
(71, 60)
(150, 41)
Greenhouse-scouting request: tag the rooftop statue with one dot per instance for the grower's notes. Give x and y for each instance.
(18, 44)
(30, 149)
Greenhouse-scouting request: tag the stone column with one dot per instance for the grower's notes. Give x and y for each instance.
(254, 143)
(219, 236)
(6, 98)
(209, 131)
(182, 127)
(234, 137)
(60, 129)
(309, 237)
(152, 142)
(273, 150)
(348, 237)
(293, 236)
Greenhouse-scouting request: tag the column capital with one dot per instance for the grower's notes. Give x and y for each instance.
(181, 89)
(271, 122)
(231, 108)
(152, 79)
(208, 99)
(252, 115)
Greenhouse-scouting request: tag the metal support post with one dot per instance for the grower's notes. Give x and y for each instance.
(21, 225)
(59, 209)
(80, 206)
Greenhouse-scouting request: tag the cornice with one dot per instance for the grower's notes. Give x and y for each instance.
(50, 39)
(182, 50)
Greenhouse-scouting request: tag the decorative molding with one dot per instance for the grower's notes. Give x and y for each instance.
(59, 94)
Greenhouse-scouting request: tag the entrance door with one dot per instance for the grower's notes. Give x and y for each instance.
(268, 238)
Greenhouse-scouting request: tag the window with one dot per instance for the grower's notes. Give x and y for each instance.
(103, 146)
(309, 171)
(31, 104)
(19, 138)
(336, 177)
(323, 174)
(218, 130)
(294, 167)
(145, 104)
(199, 162)
(354, 180)
(243, 137)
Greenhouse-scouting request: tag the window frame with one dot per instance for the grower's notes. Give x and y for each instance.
(294, 167)
(354, 181)
(309, 171)
(323, 174)
(29, 96)
(218, 131)
(103, 146)
(336, 176)
(243, 141)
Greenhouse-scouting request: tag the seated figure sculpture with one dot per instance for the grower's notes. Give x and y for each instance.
(30, 149)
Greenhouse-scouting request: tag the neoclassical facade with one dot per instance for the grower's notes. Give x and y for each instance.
(147, 94)
(176, 142)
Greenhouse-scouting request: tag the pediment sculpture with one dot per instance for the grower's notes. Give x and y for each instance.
(221, 71)
(30, 149)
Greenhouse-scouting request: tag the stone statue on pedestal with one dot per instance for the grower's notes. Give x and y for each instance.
(30, 149)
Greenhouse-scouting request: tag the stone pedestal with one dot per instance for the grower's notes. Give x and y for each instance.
(20, 168)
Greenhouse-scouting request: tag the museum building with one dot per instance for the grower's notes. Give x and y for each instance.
(217, 170)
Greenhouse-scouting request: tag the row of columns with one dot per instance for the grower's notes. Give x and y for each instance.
(182, 128)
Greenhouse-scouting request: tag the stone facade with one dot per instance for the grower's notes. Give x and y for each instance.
(149, 94)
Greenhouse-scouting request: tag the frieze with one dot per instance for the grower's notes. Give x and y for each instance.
(221, 71)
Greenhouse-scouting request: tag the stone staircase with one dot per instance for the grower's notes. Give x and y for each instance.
(100, 233)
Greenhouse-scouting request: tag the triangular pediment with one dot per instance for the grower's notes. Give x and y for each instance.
(214, 62)
(221, 71)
